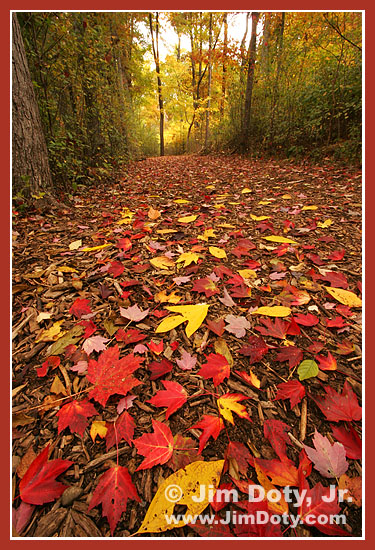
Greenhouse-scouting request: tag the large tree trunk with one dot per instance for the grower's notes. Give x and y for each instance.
(207, 130)
(30, 168)
(155, 50)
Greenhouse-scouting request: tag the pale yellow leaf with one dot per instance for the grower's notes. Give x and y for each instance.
(75, 245)
(273, 311)
(185, 483)
(206, 235)
(98, 427)
(246, 190)
(163, 297)
(92, 248)
(166, 231)
(181, 201)
(344, 296)
(312, 207)
(219, 206)
(58, 387)
(162, 262)
(221, 347)
(325, 224)
(278, 239)
(226, 225)
(264, 203)
(188, 258)
(43, 315)
(247, 273)
(51, 334)
(67, 269)
(217, 252)
(259, 218)
(187, 219)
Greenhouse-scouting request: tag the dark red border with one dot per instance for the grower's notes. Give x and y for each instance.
(166, 5)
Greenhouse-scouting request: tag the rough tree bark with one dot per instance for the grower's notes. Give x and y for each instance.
(30, 168)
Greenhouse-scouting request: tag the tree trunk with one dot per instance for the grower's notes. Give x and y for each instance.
(155, 50)
(275, 98)
(30, 167)
(244, 142)
(224, 81)
(207, 131)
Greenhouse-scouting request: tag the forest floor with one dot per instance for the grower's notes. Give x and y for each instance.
(93, 281)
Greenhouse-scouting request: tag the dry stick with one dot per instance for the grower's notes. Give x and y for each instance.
(103, 458)
(51, 405)
(303, 421)
(295, 441)
(274, 372)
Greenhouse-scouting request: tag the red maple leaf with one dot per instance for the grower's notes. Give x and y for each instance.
(112, 375)
(157, 447)
(156, 347)
(114, 489)
(315, 509)
(258, 527)
(124, 244)
(274, 431)
(276, 328)
(337, 255)
(293, 328)
(216, 326)
(159, 368)
(255, 350)
(237, 451)
(123, 428)
(52, 361)
(90, 328)
(217, 368)
(211, 426)
(293, 390)
(205, 285)
(116, 268)
(216, 528)
(308, 320)
(327, 363)
(282, 473)
(80, 307)
(336, 322)
(173, 397)
(184, 452)
(337, 280)
(348, 437)
(130, 336)
(220, 500)
(290, 353)
(75, 415)
(336, 406)
(39, 484)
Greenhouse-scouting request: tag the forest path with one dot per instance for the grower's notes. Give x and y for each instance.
(78, 271)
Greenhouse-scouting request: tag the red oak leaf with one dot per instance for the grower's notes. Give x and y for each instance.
(159, 368)
(123, 428)
(39, 484)
(114, 489)
(173, 397)
(112, 375)
(74, 415)
(130, 336)
(290, 353)
(274, 431)
(157, 447)
(205, 285)
(116, 268)
(308, 320)
(317, 506)
(327, 363)
(211, 426)
(80, 307)
(293, 390)
(217, 368)
(348, 437)
(336, 406)
(276, 328)
(255, 350)
(184, 452)
(216, 326)
(52, 361)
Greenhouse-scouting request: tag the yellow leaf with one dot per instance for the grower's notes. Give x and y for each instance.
(234, 203)
(286, 196)
(194, 314)
(51, 334)
(98, 427)
(325, 224)
(254, 379)
(273, 311)
(163, 297)
(181, 201)
(206, 235)
(226, 225)
(162, 262)
(66, 269)
(221, 347)
(246, 190)
(43, 316)
(247, 273)
(227, 405)
(75, 245)
(210, 186)
(153, 214)
(312, 207)
(188, 258)
(58, 387)
(217, 252)
(166, 231)
(344, 296)
(264, 202)
(187, 219)
(259, 218)
(278, 239)
(185, 483)
(100, 247)
(219, 206)
(280, 506)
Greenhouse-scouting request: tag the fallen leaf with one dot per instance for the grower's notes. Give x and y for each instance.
(134, 313)
(74, 416)
(307, 369)
(351, 488)
(211, 426)
(157, 447)
(292, 390)
(273, 311)
(173, 397)
(336, 406)
(187, 361)
(217, 252)
(162, 262)
(344, 296)
(194, 314)
(328, 459)
(95, 343)
(217, 368)
(98, 427)
(278, 239)
(228, 403)
(122, 428)
(237, 325)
